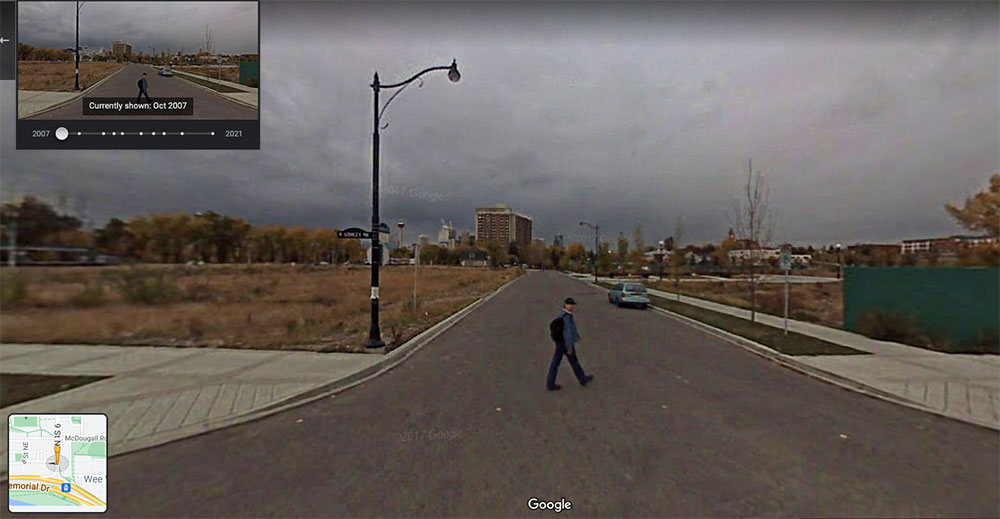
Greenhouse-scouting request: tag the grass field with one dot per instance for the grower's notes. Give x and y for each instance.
(259, 306)
(53, 76)
(820, 303)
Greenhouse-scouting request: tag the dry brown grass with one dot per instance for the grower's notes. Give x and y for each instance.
(820, 303)
(259, 307)
(228, 73)
(54, 76)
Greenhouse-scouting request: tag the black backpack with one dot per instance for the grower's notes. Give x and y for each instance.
(140, 83)
(556, 329)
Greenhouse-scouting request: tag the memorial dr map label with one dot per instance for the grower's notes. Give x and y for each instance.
(57, 463)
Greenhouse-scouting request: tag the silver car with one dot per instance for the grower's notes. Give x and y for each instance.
(628, 294)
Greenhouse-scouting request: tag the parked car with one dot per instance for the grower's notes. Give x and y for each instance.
(165, 71)
(628, 294)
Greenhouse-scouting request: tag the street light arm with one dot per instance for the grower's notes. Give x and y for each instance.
(415, 76)
(393, 96)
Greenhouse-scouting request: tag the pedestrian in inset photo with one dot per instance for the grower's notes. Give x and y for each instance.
(143, 86)
(563, 331)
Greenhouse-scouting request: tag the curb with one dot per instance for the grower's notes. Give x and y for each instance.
(390, 361)
(181, 75)
(789, 362)
(68, 101)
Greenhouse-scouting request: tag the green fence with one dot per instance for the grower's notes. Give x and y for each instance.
(961, 304)
(250, 73)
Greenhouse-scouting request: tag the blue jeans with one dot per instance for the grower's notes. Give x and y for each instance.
(557, 359)
(142, 92)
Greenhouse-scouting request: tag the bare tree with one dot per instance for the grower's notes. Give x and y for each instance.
(209, 41)
(753, 224)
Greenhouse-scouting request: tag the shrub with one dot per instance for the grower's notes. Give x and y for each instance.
(13, 288)
(151, 288)
(987, 341)
(890, 326)
(91, 295)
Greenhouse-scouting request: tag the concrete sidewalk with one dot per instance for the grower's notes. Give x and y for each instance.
(157, 394)
(248, 96)
(963, 387)
(761, 278)
(31, 102)
(160, 394)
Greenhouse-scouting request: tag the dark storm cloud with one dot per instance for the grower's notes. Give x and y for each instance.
(867, 118)
(161, 25)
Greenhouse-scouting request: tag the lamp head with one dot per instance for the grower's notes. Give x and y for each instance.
(453, 74)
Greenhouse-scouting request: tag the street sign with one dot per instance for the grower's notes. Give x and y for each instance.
(383, 228)
(786, 261)
(354, 232)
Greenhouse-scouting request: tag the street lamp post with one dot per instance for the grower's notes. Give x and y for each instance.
(597, 252)
(76, 49)
(374, 335)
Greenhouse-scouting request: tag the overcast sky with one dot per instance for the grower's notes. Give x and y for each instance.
(866, 118)
(162, 25)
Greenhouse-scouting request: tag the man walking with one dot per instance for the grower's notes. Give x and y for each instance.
(143, 85)
(563, 332)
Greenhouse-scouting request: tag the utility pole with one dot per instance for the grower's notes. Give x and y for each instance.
(76, 49)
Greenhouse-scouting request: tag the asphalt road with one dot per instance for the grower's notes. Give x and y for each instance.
(677, 423)
(207, 104)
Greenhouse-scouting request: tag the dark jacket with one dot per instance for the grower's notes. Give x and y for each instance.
(144, 84)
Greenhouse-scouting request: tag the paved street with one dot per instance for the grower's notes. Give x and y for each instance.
(677, 423)
(207, 104)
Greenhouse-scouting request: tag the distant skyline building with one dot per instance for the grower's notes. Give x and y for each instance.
(423, 240)
(558, 240)
(502, 225)
(121, 50)
(446, 236)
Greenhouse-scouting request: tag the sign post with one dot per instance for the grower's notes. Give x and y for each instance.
(786, 263)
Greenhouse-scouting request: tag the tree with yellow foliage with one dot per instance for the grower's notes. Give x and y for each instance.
(981, 212)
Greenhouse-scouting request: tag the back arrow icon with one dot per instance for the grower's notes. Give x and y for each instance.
(2, 39)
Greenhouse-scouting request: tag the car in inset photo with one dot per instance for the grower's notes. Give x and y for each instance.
(166, 71)
(624, 294)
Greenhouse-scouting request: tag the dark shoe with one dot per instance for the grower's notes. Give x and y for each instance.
(555, 387)
(586, 379)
